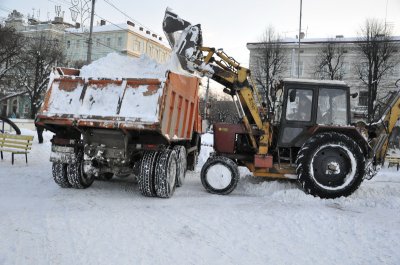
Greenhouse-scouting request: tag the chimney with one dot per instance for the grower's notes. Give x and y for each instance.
(77, 25)
(102, 22)
(58, 20)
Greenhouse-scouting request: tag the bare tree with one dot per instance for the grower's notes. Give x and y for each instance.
(11, 44)
(38, 58)
(378, 51)
(330, 60)
(269, 64)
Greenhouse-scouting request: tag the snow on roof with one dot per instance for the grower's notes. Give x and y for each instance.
(124, 27)
(319, 40)
(315, 81)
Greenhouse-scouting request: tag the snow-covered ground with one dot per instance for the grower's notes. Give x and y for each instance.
(261, 222)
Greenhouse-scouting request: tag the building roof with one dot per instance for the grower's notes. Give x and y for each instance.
(315, 81)
(122, 27)
(319, 40)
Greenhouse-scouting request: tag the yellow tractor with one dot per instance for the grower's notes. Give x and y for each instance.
(305, 134)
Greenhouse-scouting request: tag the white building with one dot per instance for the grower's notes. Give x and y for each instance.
(309, 49)
(127, 38)
(33, 28)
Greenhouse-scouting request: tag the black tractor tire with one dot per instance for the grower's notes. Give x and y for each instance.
(146, 173)
(59, 171)
(330, 165)
(219, 175)
(181, 157)
(76, 177)
(166, 173)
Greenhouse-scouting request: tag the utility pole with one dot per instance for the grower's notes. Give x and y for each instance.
(90, 43)
(206, 100)
(298, 52)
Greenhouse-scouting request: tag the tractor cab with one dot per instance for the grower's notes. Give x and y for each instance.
(307, 104)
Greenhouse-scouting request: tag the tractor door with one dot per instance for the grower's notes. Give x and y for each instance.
(298, 114)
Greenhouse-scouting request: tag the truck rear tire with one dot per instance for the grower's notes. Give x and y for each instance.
(219, 175)
(330, 165)
(59, 171)
(181, 164)
(146, 173)
(166, 173)
(76, 177)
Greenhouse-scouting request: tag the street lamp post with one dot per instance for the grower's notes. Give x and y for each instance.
(298, 52)
(90, 43)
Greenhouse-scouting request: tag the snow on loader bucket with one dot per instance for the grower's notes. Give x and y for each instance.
(150, 127)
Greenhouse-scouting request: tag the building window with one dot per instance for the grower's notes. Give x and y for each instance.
(119, 41)
(109, 42)
(295, 70)
(136, 46)
(68, 44)
(77, 43)
(26, 109)
(97, 42)
(363, 98)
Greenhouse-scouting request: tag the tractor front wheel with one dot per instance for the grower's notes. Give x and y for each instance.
(219, 175)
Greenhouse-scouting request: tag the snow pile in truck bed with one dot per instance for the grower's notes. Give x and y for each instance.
(115, 66)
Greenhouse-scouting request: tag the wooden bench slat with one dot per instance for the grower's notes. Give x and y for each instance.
(14, 151)
(13, 136)
(16, 146)
(14, 142)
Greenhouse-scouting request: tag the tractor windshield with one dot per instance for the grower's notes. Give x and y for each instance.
(332, 106)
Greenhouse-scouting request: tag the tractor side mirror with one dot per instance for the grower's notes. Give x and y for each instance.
(354, 95)
(292, 95)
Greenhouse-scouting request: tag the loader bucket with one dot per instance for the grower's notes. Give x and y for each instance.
(184, 39)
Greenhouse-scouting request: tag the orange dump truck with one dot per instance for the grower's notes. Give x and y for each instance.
(149, 127)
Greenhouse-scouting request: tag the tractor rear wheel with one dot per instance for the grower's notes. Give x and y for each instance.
(330, 165)
(219, 175)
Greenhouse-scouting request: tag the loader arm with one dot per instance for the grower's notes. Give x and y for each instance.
(186, 42)
(382, 127)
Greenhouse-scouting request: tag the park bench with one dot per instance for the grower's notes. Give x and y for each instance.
(16, 145)
(393, 161)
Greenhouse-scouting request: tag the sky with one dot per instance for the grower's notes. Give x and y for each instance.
(231, 24)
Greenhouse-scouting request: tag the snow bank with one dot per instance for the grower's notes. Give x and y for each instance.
(42, 223)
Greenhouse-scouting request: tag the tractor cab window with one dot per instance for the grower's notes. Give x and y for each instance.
(332, 106)
(299, 105)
